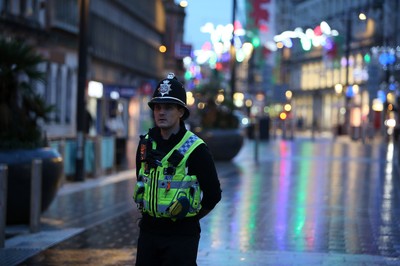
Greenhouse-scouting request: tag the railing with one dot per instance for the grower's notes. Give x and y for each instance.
(64, 15)
(99, 154)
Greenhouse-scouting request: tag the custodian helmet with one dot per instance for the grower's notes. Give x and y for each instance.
(170, 90)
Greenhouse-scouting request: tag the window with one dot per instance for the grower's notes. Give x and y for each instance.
(68, 97)
(58, 100)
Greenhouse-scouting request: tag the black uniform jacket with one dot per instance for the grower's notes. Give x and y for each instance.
(199, 163)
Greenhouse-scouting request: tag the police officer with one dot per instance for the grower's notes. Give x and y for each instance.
(177, 182)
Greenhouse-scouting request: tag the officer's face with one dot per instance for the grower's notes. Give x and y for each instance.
(167, 115)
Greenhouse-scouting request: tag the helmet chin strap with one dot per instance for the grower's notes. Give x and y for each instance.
(167, 132)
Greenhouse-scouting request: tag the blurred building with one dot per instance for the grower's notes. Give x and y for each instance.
(125, 57)
(173, 38)
(341, 60)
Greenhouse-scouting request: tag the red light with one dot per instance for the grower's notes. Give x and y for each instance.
(318, 31)
(207, 46)
(237, 25)
(263, 28)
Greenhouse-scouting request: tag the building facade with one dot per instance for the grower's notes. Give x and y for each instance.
(173, 39)
(331, 58)
(124, 61)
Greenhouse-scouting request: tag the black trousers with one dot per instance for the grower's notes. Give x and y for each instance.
(164, 250)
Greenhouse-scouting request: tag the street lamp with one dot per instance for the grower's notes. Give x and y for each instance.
(338, 92)
(349, 29)
(233, 57)
(81, 103)
(348, 87)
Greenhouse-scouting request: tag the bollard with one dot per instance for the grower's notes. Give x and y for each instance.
(284, 128)
(3, 202)
(36, 195)
(61, 150)
(114, 163)
(97, 156)
(291, 128)
(256, 140)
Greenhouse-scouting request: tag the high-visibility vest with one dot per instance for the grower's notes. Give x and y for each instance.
(166, 190)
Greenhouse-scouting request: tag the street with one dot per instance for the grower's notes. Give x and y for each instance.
(303, 202)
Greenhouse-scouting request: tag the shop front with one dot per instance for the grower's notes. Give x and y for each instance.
(111, 113)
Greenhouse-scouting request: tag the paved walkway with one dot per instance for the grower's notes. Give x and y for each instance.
(302, 202)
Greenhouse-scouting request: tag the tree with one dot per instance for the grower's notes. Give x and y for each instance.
(216, 115)
(21, 107)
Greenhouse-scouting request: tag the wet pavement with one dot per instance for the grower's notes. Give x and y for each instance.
(303, 202)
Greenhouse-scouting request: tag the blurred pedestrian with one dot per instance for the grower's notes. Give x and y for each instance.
(89, 121)
(300, 123)
(177, 182)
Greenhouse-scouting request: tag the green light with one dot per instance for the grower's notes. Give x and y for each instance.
(213, 60)
(367, 58)
(301, 198)
(255, 41)
(188, 75)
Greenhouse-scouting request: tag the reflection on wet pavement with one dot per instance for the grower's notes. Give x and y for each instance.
(304, 197)
(302, 203)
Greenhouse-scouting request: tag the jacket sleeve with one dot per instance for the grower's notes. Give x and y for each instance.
(137, 167)
(201, 164)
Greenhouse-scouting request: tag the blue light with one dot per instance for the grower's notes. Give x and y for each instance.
(349, 91)
(381, 96)
(387, 59)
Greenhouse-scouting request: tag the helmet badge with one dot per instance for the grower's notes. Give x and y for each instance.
(165, 88)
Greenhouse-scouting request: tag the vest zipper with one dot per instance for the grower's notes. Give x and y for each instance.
(151, 192)
(153, 198)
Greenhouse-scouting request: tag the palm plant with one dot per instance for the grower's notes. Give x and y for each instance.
(21, 107)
